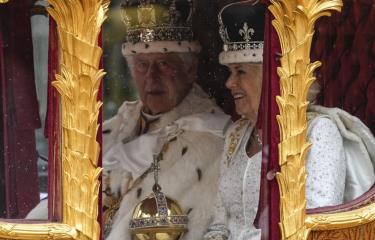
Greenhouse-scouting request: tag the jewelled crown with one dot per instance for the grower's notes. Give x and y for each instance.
(150, 23)
(242, 31)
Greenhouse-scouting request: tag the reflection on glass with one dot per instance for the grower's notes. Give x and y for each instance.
(40, 31)
(118, 86)
(174, 121)
(39, 24)
(23, 165)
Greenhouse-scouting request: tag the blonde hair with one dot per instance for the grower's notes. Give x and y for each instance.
(313, 92)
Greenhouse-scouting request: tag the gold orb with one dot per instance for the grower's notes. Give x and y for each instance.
(158, 217)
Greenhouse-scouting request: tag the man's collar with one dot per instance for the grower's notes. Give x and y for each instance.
(196, 101)
(149, 117)
(146, 121)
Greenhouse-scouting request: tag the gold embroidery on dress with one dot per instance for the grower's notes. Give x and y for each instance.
(234, 139)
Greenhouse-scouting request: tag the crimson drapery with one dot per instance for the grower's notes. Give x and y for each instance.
(52, 130)
(268, 109)
(273, 135)
(19, 112)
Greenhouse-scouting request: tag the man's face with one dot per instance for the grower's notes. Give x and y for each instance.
(162, 80)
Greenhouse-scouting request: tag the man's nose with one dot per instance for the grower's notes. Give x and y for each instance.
(152, 71)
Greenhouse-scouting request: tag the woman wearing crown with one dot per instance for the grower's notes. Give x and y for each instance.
(333, 178)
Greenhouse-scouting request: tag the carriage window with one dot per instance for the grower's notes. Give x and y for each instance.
(24, 148)
(118, 85)
(169, 119)
(163, 87)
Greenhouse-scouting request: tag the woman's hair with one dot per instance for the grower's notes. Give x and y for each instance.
(313, 92)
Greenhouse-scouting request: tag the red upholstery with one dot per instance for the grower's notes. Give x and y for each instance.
(365, 199)
(345, 44)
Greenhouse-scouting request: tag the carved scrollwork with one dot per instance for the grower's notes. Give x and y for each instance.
(79, 24)
(366, 231)
(294, 22)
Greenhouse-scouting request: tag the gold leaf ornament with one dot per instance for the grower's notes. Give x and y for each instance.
(294, 23)
(78, 25)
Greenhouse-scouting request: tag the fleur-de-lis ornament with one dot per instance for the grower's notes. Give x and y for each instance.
(246, 32)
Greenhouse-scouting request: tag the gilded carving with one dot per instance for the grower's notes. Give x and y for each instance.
(342, 220)
(366, 231)
(78, 85)
(4, 1)
(294, 22)
(78, 25)
(40, 231)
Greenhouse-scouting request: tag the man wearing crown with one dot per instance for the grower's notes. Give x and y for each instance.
(173, 121)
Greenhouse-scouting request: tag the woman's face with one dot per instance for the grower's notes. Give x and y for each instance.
(245, 84)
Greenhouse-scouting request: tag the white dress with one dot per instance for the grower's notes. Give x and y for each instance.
(341, 161)
(325, 164)
(238, 196)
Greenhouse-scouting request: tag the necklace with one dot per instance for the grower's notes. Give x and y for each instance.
(254, 144)
(257, 137)
(234, 139)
